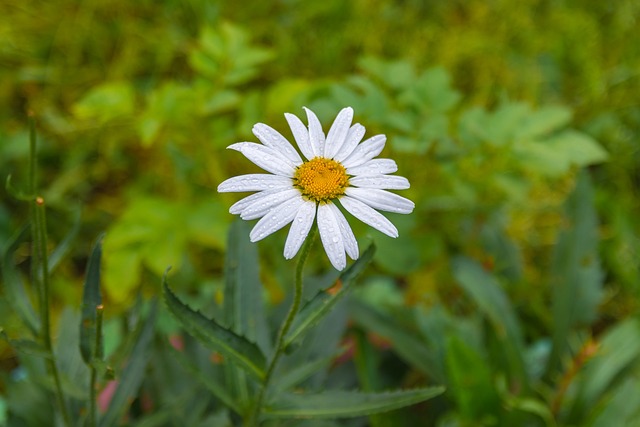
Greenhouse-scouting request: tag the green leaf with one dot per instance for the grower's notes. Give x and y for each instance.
(216, 337)
(345, 404)
(218, 388)
(542, 122)
(63, 248)
(485, 291)
(243, 299)
(91, 299)
(294, 376)
(27, 346)
(576, 273)
(106, 102)
(618, 355)
(320, 305)
(15, 291)
(471, 381)
(133, 373)
(409, 346)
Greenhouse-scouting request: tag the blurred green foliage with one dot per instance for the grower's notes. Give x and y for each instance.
(517, 124)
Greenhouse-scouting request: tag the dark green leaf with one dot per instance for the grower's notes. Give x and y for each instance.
(216, 337)
(90, 301)
(133, 373)
(409, 346)
(577, 277)
(216, 387)
(14, 287)
(346, 404)
(320, 305)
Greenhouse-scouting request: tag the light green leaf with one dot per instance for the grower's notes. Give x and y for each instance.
(90, 301)
(542, 122)
(216, 337)
(320, 305)
(106, 102)
(346, 404)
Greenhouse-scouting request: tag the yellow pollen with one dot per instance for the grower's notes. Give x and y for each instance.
(321, 179)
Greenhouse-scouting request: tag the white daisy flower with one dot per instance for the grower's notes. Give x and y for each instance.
(298, 190)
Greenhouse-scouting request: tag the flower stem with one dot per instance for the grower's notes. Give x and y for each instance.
(40, 259)
(253, 419)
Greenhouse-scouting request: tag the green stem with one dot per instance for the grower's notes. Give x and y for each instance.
(40, 260)
(295, 306)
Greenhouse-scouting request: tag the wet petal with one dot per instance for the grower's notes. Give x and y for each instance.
(316, 135)
(301, 135)
(374, 167)
(351, 142)
(254, 182)
(388, 182)
(349, 240)
(272, 138)
(265, 157)
(365, 151)
(338, 132)
(241, 204)
(299, 229)
(381, 200)
(369, 216)
(331, 237)
(276, 218)
(259, 208)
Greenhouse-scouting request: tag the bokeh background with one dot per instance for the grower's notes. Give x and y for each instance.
(517, 124)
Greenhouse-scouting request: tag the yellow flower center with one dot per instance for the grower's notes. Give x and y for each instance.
(321, 179)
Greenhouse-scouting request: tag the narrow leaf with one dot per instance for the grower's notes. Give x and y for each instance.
(320, 305)
(90, 301)
(217, 388)
(409, 346)
(14, 287)
(346, 404)
(294, 376)
(577, 277)
(133, 373)
(65, 245)
(216, 337)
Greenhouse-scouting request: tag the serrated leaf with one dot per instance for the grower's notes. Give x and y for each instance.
(133, 373)
(320, 305)
(215, 336)
(345, 404)
(91, 299)
(15, 291)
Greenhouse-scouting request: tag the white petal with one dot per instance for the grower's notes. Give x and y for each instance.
(350, 242)
(365, 151)
(316, 135)
(276, 218)
(369, 216)
(260, 207)
(338, 132)
(351, 142)
(388, 182)
(241, 204)
(254, 182)
(265, 157)
(272, 138)
(331, 237)
(301, 135)
(381, 199)
(299, 229)
(374, 167)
